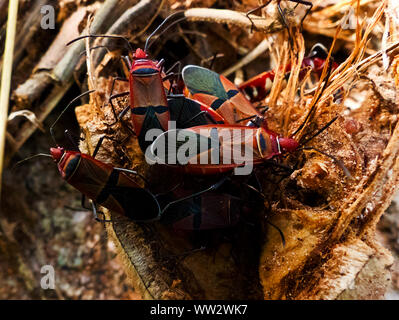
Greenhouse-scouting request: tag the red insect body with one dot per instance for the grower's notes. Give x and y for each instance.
(101, 183)
(228, 141)
(232, 110)
(216, 116)
(140, 54)
(147, 91)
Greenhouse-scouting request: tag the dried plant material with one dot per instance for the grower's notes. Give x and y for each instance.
(354, 271)
(267, 25)
(319, 208)
(28, 115)
(260, 49)
(69, 31)
(345, 14)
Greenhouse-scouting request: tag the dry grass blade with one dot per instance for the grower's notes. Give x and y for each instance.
(28, 115)
(261, 48)
(6, 77)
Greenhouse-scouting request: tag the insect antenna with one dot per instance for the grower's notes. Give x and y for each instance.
(174, 15)
(319, 131)
(253, 11)
(65, 109)
(247, 118)
(212, 62)
(96, 47)
(129, 46)
(255, 115)
(278, 230)
(29, 158)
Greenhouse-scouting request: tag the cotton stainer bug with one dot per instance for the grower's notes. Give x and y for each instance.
(215, 149)
(102, 183)
(258, 87)
(209, 211)
(113, 189)
(211, 145)
(216, 209)
(148, 103)
(225, 98)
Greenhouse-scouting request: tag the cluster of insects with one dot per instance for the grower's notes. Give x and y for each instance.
(203, 105)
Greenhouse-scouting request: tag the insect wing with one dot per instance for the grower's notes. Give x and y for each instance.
(181, 146)
(114, 190)
(89, 176)
(148, 99)
(237, 144)
(209, 147)
(218, 92)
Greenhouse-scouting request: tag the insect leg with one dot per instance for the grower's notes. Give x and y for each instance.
(114, 96)
(72, 138)
(176, 64)
(281, 13)
(211, 188)
(93, 205)
(278, 229)
(306, 3)
(65, 109)
(84, 203)
(254, 10)
(99, 143)
(194, 117)
(131, 172)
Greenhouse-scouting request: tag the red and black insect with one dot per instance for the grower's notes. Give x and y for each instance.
(105, 185)
(210, 142)
(209, 146)
(212, 210)
(213, 144)
(228, 202)
(148, 103)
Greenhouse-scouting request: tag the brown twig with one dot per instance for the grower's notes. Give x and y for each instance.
(239, 19)
(260, 49)
(130, 20)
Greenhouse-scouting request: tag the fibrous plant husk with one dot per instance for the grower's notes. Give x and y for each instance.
(327, 215)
